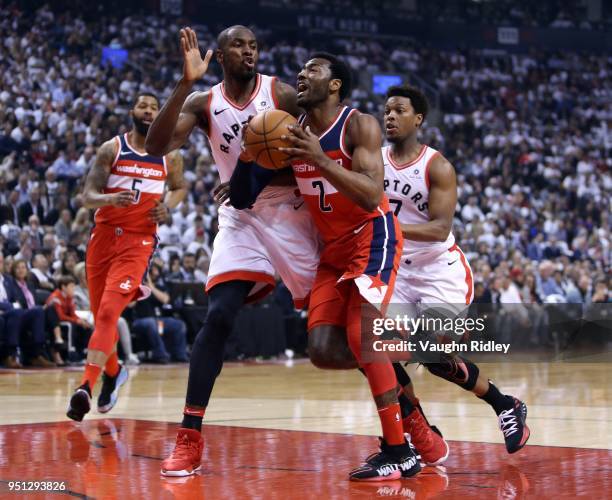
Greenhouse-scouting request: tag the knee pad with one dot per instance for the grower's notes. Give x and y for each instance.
(455, 369)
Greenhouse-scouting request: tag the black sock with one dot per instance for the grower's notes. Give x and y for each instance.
(224, 300)
(402, 376)
(192, 422)
(86, 387)
(406, 405)
(498, 401)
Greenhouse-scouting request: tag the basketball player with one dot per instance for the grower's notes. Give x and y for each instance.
(422, 186)
(335, 156)
(251, 245)
(126, 186)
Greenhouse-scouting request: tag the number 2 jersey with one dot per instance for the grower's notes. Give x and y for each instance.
(358, 244)
(139, 172)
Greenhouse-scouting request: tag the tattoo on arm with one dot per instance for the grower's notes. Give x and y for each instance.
(100, 170)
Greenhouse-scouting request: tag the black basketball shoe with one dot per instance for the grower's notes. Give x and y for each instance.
(80, 403)
(110, 389)
(392, 462)
(512, 423)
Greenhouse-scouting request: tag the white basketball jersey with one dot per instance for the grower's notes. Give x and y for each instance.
(225, 121)
(407, 187)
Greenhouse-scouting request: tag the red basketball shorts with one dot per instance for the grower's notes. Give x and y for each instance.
(116, 261)
(369, 257)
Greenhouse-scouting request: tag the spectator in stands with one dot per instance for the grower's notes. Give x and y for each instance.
(40, 275)
(64, 225)
(165, 336)
(10, 211)
(62, 300)
(187, 270)
(201, 272)
(32, 206)
(26, 295)
(18, 322)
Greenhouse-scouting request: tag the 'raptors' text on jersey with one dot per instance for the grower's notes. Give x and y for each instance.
(139, 172)
(407, 187)
(226, 118)
(334, 214)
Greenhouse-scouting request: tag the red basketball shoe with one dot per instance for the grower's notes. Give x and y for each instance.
(186, 458)
(432, 448)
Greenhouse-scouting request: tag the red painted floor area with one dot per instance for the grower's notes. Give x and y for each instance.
(118, 458)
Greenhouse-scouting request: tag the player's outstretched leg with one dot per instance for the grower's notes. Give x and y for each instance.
(101, 345)
(396, 457)
(511, 412)
(205, 364)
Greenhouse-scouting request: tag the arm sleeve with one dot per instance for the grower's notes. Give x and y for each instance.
(248, 180)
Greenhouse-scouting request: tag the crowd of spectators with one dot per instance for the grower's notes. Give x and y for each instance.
(519, 13)
(528, 135)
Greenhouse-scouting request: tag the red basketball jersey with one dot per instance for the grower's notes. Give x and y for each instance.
(140, 172)
(334, 214)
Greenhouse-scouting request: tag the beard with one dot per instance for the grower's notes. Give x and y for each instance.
(141, 127)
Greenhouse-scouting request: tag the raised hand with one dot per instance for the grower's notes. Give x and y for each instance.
(194, 67)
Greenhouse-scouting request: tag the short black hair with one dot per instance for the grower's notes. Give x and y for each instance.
(144, 94)
(65, 280)
(417, 98)
(339, 70)
(223, 37)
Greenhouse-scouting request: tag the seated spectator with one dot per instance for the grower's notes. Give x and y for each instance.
(64, 225)
(17, 322)
(25, 295)
(81, 301)
(62, 300)
(601, 293)
(201, 273)
(39, 275)
(33, 206)
(9, 212)
(187, 270)
(165, 336)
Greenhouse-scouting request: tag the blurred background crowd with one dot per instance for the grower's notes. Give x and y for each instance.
(528, 133)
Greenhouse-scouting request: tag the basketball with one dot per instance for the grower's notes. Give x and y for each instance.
(263, 138)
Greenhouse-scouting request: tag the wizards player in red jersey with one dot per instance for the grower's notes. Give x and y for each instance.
(126, 186)
(338, 166)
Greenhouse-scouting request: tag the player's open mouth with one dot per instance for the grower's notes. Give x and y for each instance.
(390, 128)
(249, 63)
(301, 88)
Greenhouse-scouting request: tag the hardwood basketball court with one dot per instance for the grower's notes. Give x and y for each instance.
(278, 431)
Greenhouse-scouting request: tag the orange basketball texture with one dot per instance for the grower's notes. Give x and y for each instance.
(263, 137)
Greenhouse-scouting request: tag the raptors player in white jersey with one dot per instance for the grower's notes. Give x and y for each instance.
(277, 234)
(434, 273)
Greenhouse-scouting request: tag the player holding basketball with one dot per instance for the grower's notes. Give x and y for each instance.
(336, 160)
(251, 244)
(422, 186)
(126, 186)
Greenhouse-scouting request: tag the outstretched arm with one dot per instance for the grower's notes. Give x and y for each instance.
(183, 110)
(364, 183)
(441, 204)
(93, 195)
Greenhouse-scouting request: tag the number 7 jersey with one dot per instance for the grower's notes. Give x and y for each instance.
(334, 214)
(139, 172)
